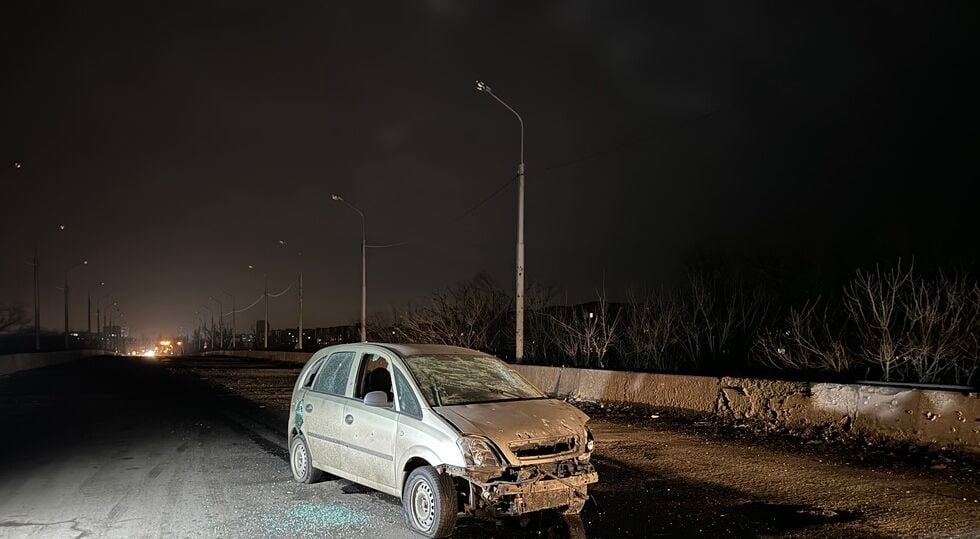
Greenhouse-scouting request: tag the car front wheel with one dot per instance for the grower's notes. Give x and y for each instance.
(301, 462)
(429, 502)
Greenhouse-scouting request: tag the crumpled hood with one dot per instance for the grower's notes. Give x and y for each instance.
(516, 421)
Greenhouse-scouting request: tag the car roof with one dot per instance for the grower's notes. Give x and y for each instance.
(407, 350)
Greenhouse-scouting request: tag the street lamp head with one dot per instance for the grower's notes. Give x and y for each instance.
(102, 283)
(17, 164)
(483, 87)
(337, 197)
(251, 267)
(61, 226)
(283, 243)
(85, 262)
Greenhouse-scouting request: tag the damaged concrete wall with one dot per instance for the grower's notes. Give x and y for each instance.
(926, 416)
(945, 418)
(12, 363)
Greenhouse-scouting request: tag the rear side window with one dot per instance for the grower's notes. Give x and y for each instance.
(311, 374)
(334, 374)
(407, 403)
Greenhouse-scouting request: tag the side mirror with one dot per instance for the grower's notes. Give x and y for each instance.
(377, 398)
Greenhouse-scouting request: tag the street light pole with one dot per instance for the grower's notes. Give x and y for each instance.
(98, 318)
(37, 301)
(211, 332)
(519, 295)
(201, 328)
(299, 342)
(339, 198)
(82, 263)
(37, 304)
(265, 326)
(233, 313)
(90, 307)
(221, 322)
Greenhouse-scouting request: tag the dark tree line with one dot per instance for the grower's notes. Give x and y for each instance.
(889, 324)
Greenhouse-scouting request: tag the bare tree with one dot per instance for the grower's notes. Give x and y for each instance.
(650, 330)
(470, 314)
(812, 340)
(941, 318)
(538, 299)
(383, 326)
(584, 333)
(874, 303)
(12, 317)
(715, 310)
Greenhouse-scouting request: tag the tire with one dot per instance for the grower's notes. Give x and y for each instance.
(301, 462)
(429, 502)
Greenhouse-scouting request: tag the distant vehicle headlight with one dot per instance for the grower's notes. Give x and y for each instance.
(478, 452)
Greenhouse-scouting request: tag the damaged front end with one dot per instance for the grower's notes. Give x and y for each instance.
(552, 474)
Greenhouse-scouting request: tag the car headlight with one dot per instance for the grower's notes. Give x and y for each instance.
(478, 452)
(589, 440)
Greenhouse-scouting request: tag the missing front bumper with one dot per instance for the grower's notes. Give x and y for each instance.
(541, 495)
(543, 490)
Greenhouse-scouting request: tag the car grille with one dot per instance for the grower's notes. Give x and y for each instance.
(530, 449)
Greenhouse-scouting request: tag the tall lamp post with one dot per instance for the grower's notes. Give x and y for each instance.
(101, 283)
(210, 333)
(221, 322)
(339, 198)
(98, 318)
(265, 324)
(519, 296)
(234, 311)
(67, 270)
(299, 342)
(36, 265)
(113, 340)
(201, 328)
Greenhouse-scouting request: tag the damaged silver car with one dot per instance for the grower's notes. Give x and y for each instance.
(448, 430)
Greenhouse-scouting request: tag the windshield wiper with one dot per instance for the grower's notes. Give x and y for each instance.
(436, 395)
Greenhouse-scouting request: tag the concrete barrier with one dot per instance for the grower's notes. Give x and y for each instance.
(12, 363)
(290, 357)
(919, 416)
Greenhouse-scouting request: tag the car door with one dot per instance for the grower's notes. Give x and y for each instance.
(369, 431)
(323, 412)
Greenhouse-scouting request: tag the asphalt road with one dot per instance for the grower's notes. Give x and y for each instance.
(124, 447)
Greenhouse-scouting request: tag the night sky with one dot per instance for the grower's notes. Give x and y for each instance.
(178, 142)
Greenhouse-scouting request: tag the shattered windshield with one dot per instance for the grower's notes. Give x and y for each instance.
(463, 379)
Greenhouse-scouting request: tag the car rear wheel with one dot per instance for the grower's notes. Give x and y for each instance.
(429, 502)
(301, 462)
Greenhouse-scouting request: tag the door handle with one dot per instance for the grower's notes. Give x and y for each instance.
(309, 408)
(348, 419)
